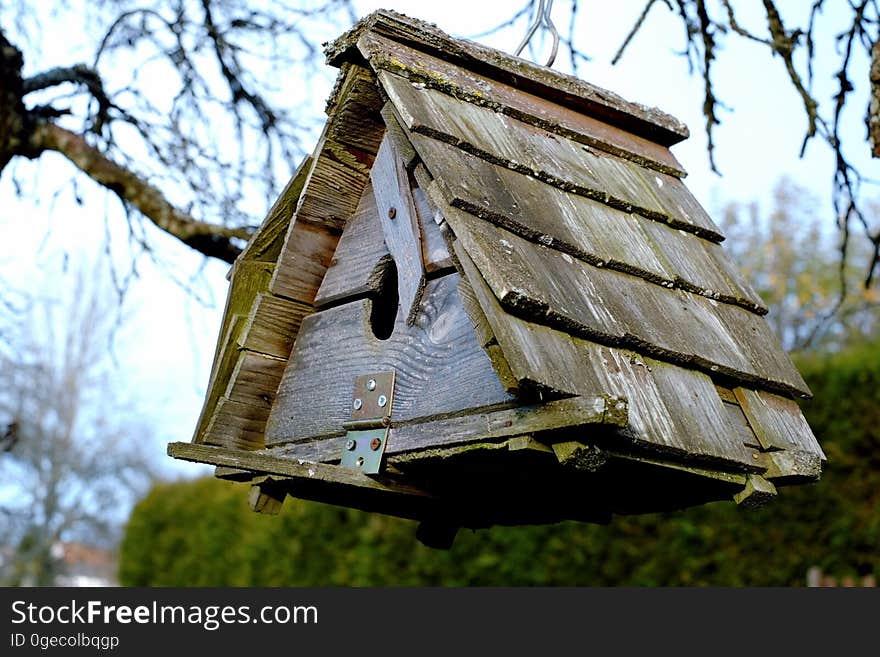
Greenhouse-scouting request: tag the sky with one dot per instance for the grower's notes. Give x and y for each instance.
(165, 354)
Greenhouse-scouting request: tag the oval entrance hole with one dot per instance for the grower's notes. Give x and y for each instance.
(385, 301)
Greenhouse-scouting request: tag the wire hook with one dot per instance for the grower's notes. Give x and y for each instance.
(542, 15)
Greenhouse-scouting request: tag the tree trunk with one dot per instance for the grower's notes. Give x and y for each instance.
(14, 123)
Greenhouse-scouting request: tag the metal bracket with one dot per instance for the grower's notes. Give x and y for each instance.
(367, 431)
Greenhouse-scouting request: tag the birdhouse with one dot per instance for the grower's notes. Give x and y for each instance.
(488, 298)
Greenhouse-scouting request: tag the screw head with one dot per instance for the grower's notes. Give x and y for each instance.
(392, 212)
(371, 384)
(357, 404)
(360, 461)
(382, 400)
(375, 444)
(350, 444)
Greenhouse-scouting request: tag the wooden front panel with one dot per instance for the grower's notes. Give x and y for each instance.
(441, 367)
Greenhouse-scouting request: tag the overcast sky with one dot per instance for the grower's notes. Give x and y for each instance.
(165, 355)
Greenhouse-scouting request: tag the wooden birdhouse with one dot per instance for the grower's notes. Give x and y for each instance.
(488, 298)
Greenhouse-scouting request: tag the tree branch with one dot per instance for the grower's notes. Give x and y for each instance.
(210, 239)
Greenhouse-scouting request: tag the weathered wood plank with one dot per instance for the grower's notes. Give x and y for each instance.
(619, 310)
(475, 313)
(735, 478)
(587, 229)
(332, 192)
(435, 253)
(793, 466)
(310, 480)
(562, 88)
(354, 108)
(233, 474)
(554, 159)
(400, 225)
(236, 425)
(395, 133)
(740, 424)
(777, 422)
(514, 99)
(308, 251)
(493, 425)
(255, 379)
(266, 497)
(334, 186)
(272, 325)
(702, 267)
(669, 408)
(440, 366)
(757, 492)
(352, 271)
(249, 279)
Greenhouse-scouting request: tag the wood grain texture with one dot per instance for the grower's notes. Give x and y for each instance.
(400, 225)
(670, 409)
(352, 270)
(565, 89)
(308, 251)
(334, 186)
(756, 493)
(272, 325)
(777, 422)
(554, 159)
(236, 425)
(249, 279)
(793, 466)
(586, 229)
(503, 95)
(354, 108)
(487, 426)
(255, 380)
(440, 366)
(395, 133)
(435, 253)
(619, 310)
(304, 472)
(240, 413)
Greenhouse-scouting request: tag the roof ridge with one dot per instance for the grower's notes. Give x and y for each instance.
(645, 121)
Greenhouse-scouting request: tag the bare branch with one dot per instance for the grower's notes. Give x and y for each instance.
(783, 44)
(132, 189)
(635, 28)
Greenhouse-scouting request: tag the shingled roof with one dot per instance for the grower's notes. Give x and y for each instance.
(586, 267)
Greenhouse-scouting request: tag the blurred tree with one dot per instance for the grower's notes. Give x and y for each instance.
(73, 455)
(816, 300)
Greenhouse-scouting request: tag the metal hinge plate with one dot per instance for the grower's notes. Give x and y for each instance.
(367, 432)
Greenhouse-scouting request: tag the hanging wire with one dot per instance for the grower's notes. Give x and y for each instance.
(542, 15)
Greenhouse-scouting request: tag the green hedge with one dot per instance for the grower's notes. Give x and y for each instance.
(202, 533)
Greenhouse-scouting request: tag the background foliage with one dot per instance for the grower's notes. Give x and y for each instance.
(202, 533)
